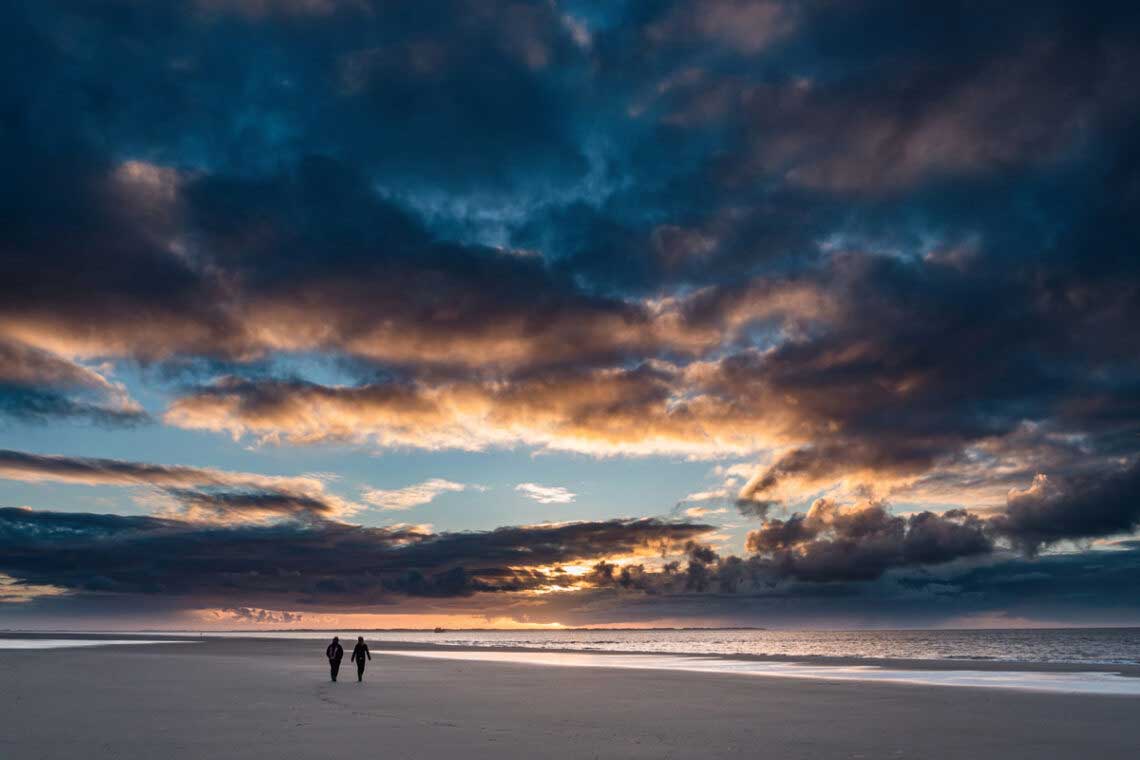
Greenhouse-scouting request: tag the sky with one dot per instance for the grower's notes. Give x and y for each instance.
(476, 313)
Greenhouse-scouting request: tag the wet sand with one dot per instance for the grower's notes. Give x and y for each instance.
(249, 698)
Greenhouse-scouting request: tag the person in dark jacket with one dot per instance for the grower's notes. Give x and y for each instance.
(335, 653)
(359, 652)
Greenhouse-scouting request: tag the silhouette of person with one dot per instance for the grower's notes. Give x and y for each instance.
(335, 653)
(359, 652)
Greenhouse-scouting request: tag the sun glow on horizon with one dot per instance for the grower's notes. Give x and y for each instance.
(228, 619)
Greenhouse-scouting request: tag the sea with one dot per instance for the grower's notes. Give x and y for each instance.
(1002, 658)
(1105, 646)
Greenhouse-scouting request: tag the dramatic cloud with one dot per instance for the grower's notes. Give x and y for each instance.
(546, 494)
(257, 505)
(37, 385)
(20, 465)
(411, 496)
(201, 492)
(1027, 107)
(698, 512)
(15, 592)
(255, 615)
(636, 411)
(1072, 588)
(833, 543)
(745, 26)
(1077, 507)
(258, 9)
(311, 565)
(893, 266)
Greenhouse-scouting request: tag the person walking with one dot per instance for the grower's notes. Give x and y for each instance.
(359, 652)
(335, 653)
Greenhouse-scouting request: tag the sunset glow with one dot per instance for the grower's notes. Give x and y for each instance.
(558, 314)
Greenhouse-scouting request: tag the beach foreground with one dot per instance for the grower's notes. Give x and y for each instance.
(247, 698)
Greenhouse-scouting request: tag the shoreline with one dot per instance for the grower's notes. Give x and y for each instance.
(1079, 683)
(265, 699)
(378, 644)
(1125, 670)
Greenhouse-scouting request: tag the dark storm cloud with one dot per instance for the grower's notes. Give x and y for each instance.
(759, 143)
(474, 91)
(165, 194)
(233, 505)
(830, 543)
(256, 615)
(1075, 588)
(881, 382)
(829, 546)
(22, 465)
(926, 360)
(1075, 507)
(36, 385)
(1030, 104)
(388, 292)
(229, 248)
(890, 565)
(929, 92)
(750, 507)
(594, 411)
(900, 262)
(202, 492)
(306, 563)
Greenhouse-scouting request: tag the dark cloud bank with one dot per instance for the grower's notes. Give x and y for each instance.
(826, 565)
(903, 258)
(199, 492)
(316, 564)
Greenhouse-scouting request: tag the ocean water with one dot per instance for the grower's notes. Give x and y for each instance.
(1094, 652)
(1106, 646)
(16, 643)
(1088, 682)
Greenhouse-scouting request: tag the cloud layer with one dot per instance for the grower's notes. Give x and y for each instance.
(322, 565)
(413, 495)
(546, 494)
(895, 270)
(198, 492)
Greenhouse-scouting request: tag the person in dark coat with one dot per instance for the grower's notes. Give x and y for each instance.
(335, 653)
(359, 652)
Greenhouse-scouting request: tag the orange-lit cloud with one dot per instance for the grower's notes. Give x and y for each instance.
(197, 492)
(322, 565)
(39, 385)
(647, 410)
(14, 592)
(546, 494)
(413, 495)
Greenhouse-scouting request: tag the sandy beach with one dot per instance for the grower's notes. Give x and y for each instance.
(256, 698)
